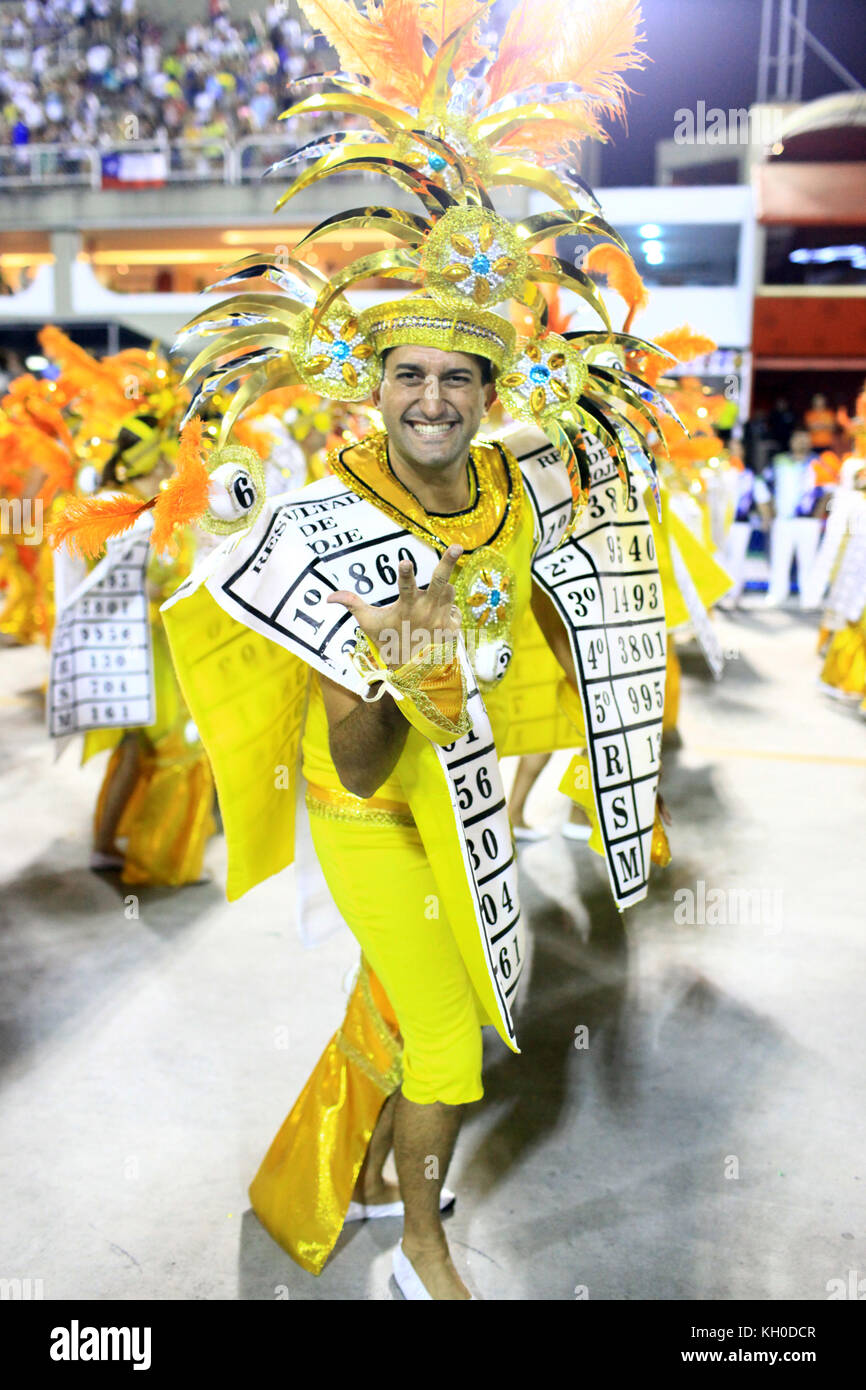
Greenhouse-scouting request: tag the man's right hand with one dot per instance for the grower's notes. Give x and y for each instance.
(418, 617)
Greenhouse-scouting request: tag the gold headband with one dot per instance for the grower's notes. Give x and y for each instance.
(419, 319)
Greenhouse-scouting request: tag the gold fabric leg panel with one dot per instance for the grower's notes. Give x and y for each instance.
(303, 1188)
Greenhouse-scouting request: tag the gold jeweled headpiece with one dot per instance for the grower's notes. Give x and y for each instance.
(452, 110)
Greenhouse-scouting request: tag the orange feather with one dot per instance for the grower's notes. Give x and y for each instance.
(569, 127)
(621, 275)
(185, 497)
(59, 477)
(345, 29)
(385, 46)
(697, 449)
(685, 345)
(578, 41)
(86, 523)
(399, 47)
(440, 18)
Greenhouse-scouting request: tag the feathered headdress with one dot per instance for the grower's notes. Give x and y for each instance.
(129, 402)
(452, 111)
(34, 434)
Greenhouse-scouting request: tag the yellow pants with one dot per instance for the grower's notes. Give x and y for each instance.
(384, 889)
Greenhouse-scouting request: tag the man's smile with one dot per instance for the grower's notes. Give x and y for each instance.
(437, 430)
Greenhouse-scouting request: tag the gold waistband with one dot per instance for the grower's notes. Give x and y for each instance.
(342, 805)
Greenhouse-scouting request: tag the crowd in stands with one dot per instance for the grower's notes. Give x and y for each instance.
(101, 72)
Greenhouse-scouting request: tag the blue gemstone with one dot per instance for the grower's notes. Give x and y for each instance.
(436, 162)
(481, 264)
(494, 598)
(340, 351)
(539, 375)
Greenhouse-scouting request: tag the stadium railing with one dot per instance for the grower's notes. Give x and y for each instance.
(205, 160)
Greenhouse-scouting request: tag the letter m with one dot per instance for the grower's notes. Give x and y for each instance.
(10, 1289)
(745, 907)
(118, 1339)
(628, 864)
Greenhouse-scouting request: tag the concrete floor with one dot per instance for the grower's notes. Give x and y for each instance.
(706, 1144)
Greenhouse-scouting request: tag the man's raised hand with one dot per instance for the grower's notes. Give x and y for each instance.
(418, 618)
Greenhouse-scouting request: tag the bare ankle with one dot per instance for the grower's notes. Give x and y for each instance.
(431, 1243)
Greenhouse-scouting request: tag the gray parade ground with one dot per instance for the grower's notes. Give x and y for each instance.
(685, 1120)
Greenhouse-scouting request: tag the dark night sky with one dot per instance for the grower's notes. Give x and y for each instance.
(708, 49)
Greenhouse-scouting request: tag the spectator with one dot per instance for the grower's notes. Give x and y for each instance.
(820, 421)
(262, 106)
(781, 424)
(791, 488)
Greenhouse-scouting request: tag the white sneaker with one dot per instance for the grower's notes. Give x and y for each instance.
(364, 1211)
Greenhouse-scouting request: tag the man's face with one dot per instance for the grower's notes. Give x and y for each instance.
(432, 403)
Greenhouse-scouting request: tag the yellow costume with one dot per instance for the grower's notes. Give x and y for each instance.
(838, 581)
(366, 859)
(391, 861)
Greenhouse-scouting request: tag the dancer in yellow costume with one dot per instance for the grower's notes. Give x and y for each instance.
(157, 793)
(411, 577)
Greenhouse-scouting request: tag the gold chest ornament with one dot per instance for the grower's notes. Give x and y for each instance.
(484, 591)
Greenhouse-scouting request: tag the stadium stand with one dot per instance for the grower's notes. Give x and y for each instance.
(101, 89)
